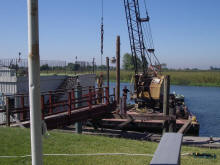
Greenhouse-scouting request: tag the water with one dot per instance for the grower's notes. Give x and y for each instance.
(203, 102)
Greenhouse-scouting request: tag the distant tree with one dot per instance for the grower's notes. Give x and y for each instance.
(163, 66)
(102, 67)
(44, 67)
(128, 63)
(214, 68)
(73, 67)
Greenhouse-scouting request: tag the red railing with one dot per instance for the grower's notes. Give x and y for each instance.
(55, 102)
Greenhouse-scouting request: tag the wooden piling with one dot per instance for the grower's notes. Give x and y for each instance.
(118, 69)
(166, 93)
(107, 66)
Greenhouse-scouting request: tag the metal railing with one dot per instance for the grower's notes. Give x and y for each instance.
(54, 102)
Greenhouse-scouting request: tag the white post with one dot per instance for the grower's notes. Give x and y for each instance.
(34, 82)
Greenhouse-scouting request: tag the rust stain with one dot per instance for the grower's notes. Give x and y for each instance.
(34, 51)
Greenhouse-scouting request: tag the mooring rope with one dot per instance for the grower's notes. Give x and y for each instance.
(94, 154)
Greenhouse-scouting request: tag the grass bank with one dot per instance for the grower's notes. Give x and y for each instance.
(16, 141)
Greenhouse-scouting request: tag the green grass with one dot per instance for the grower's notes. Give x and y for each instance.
(16, 141)
(189, 78)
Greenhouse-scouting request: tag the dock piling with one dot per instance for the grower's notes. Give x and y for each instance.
(166, 93)
(118, 69)
(107, 66)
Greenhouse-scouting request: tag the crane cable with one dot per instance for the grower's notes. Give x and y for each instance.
(102, 33)
(148, 33)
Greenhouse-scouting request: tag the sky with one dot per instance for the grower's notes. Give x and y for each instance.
(186, 33)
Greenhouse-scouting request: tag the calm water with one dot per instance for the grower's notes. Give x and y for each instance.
(204, 102)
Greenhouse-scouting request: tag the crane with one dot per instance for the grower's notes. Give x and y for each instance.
(147, 83)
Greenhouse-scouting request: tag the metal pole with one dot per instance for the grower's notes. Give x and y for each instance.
(118, 69)
(34, 82)
(107, 65)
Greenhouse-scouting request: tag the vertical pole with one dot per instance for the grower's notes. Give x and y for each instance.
(90, 98)
(107, 65)
(107, 95)
(42, 106)
(73, 99)
(172, 125)
(93, 65)
(7, 112)
(166, 93)
(50, 103)
(78, 125)
(23, 114)
(118, 69)
(114, 93)
(69, 103)
(34, 82)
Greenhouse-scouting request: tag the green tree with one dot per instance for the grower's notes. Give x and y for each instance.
(44, 67)
(128, 62)
(73, 67)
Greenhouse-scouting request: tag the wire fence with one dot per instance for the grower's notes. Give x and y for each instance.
(19, 67)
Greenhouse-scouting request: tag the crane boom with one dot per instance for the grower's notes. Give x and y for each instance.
(136, 37)
(148, 85)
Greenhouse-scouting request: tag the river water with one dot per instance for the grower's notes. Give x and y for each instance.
(203, 102)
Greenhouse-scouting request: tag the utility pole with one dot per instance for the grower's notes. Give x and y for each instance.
(34, 82)
(93, 65)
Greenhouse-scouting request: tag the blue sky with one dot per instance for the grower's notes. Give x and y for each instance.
(186, 33)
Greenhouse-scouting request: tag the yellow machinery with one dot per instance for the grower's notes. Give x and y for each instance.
(148, 91)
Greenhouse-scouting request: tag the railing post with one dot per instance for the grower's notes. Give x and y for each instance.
(114, 93)
(23, 114)
(69, 103)
(7, 112)
(90, 98)
(107, 95)
(73, 99)
(78, 95)
(50, 102)
(93, 95)
(42, 106)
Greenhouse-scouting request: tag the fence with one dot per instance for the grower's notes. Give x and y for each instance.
(19, 67)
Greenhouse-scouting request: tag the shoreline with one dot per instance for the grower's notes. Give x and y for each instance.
(190, 85)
